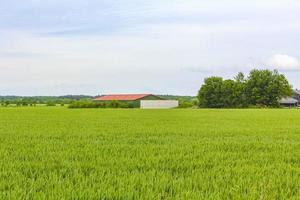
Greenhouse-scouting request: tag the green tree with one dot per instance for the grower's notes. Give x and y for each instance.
(261, 88)
(210, 94)
(240, 99)
(266, 88)
(228, 98)
(219, 93)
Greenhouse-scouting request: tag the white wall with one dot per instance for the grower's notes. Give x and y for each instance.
(159, 104)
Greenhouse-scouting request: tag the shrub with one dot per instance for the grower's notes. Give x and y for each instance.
(49, 103)
(185, 104)
(94, 104)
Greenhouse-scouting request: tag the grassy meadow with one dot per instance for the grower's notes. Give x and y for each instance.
(60, 153)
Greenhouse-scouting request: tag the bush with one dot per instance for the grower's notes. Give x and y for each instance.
(185, 104)
(94, 104)
(50, 103)
(114, 104)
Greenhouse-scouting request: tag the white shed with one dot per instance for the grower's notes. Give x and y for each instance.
(159, 104)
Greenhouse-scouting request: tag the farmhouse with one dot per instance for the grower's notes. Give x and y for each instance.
(140, 100)
(292, 101)
(289, 102)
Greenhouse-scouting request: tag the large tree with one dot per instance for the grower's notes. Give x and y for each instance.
(262, 88)
(239, 91)
(228, 98)
(265, 87)
(210, 94)
(219, 93)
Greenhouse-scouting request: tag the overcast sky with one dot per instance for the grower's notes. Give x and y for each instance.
(56, 47)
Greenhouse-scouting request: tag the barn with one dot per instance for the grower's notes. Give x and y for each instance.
(289, 102)
(140, 100)
(292, 101)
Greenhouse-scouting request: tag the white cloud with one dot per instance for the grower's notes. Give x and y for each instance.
(284, 62)
(159, 47)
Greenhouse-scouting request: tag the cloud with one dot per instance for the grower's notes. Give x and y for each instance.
(100, 46)
(284, 62)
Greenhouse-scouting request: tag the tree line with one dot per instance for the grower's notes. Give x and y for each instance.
(83, 101)
(262, 88)
(36, 100)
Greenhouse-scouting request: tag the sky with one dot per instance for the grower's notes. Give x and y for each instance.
(59, 47)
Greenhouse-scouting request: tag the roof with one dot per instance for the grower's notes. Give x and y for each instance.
(297, 92)
(288, 100)
(122, 97)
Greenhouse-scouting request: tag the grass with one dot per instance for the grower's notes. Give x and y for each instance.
(59, 153)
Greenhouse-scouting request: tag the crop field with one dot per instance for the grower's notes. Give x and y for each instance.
(60, 153)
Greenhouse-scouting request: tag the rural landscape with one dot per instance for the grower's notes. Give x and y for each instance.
(49, 150)
(154, 100)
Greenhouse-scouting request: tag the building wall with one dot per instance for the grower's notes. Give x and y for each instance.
(159, 104)
(150, 97)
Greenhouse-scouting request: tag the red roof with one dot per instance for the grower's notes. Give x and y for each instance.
(122, 97)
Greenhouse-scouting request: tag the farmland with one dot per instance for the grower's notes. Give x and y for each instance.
(59, 153)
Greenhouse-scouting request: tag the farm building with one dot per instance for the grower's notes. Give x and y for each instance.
(292, 101)
(140, 100)
(289, 102)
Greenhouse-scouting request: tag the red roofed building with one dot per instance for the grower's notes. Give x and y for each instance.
(126, 97)
(133, 99)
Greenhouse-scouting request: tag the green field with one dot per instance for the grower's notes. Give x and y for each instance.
(60, 153)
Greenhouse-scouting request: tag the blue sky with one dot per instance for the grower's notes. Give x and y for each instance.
(129, 46)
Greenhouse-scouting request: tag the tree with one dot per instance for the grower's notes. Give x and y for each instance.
(240, 78)
(240, 99)
(210, 94)
(265, 87)
(260, 88)
(228, 98)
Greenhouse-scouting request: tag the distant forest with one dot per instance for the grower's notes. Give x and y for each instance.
(33, 100)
